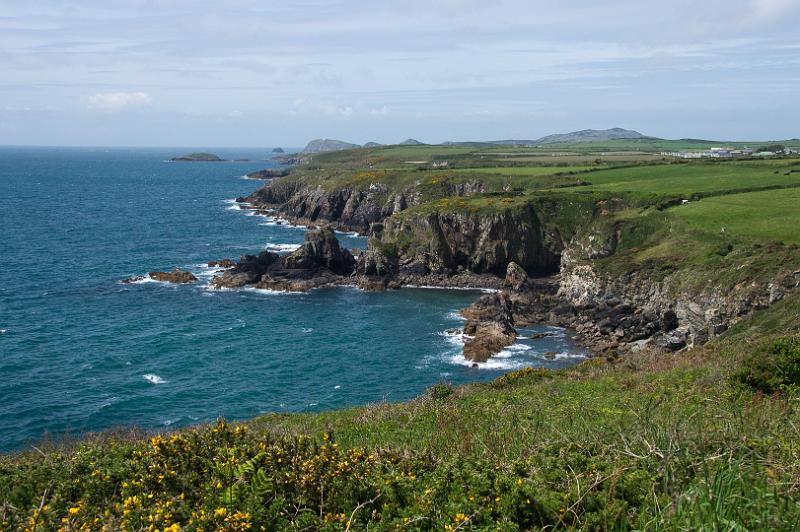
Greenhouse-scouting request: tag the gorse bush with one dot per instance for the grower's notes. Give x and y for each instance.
(773, 368)
(440, 391)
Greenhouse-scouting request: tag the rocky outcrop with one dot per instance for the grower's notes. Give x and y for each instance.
(516, 277)
(489, 327)
(321, 250)
(176, 276)
(319, 261)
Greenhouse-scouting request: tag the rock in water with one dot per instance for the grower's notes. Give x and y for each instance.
(319, 261)
(489, 338)
(224, 263)
(321, 250)
(248, 270)
(177, 276)
(489, 325)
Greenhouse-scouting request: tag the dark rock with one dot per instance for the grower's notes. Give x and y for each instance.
(550, 355)
(224, 263)
(177, 276)
(669, 320)
(538, 336)
(321, 250)
(319, 261)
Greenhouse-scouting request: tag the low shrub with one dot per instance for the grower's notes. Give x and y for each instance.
(773, 368)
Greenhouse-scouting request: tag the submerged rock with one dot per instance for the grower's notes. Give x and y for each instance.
(176, 276)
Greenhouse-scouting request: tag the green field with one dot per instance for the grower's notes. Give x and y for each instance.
(767, 215)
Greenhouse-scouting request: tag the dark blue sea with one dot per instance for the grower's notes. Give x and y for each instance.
(80, 351)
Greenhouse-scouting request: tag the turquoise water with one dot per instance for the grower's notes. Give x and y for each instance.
(80, 351)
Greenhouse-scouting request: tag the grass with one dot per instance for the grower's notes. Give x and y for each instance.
(767, 215)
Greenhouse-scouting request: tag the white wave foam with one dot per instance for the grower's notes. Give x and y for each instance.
(282, 247)
(336, 387)
(348, 233)
(307, 329)
(518, 347)
(494, 363)
(467, 289)
(263, 291)
(3, 331)
(455, 315)
(152, 378)
(139, 279)
(567, 354)
(455, 337)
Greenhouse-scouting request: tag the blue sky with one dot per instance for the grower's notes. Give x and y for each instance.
(264, 73)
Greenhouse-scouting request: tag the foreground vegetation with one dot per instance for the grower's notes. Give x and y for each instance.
(700, 440)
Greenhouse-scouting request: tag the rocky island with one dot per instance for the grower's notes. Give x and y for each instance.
(198, 157)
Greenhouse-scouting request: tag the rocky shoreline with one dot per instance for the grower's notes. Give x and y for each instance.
(541, 273)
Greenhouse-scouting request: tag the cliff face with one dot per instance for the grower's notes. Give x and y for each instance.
(640, 307)
(480, 243)
(348, 208)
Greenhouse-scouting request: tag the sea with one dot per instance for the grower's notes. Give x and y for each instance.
(80, 351)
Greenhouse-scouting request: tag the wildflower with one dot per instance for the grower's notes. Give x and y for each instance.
(220, 512)
(75, 510)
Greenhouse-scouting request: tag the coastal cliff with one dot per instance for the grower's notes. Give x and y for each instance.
(601, 264)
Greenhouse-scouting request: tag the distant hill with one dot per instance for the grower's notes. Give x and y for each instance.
(591, 135)
(199, 156)
(585, 135)
(411, 142)
(372, 145)
(277, 150)
(323, 145)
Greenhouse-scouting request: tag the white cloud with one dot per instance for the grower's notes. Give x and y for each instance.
(119, 100)
(773, 9)
(235, 114)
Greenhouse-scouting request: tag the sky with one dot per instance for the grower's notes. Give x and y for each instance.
(266, 73)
